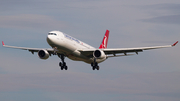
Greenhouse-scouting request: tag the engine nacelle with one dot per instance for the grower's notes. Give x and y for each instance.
(99, 54)
(43, 54)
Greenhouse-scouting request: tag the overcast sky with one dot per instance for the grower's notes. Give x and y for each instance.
(150, 76)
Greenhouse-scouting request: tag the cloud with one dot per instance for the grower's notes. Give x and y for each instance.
(171, 19)
(170, 7)
(164, 13)
(30, 21)
(138, 85)
(73, 82)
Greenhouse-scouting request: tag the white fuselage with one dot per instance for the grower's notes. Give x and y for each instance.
(68, 45)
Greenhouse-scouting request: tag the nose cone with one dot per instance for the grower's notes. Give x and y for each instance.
(51, 40)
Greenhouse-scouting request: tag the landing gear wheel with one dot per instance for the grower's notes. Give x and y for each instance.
(62, 64)
(65, 67)
(95, 65)
(92, 64)
(62, 68)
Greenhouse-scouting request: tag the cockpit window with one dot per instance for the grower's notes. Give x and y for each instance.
(52, 34)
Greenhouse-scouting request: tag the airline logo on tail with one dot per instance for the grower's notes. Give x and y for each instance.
(105, 40)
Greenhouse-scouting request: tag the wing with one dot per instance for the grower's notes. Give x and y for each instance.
(113, 52)
(32, 50)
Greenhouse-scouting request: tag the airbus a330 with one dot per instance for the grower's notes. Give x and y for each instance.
(64, 45)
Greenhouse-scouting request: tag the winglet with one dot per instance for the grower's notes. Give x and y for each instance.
(175, 43)
(3, 43)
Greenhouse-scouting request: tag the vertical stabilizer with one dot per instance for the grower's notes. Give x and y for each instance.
(105, 40)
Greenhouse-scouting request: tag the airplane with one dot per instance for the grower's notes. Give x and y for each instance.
(64, 45)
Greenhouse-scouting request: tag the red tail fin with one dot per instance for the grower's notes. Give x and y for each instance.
(2, 43)
(105, 40)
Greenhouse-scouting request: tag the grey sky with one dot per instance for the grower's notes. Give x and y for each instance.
(149, 76)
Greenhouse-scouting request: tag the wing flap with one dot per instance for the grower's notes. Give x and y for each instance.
(121, 50)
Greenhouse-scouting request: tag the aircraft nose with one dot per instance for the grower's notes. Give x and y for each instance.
(52, 40)
(49, 39)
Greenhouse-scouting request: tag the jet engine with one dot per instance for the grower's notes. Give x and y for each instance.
(43, 54)
(99, 54)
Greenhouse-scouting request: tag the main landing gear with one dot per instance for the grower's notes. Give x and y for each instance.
(95, 65)
(62, 64)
